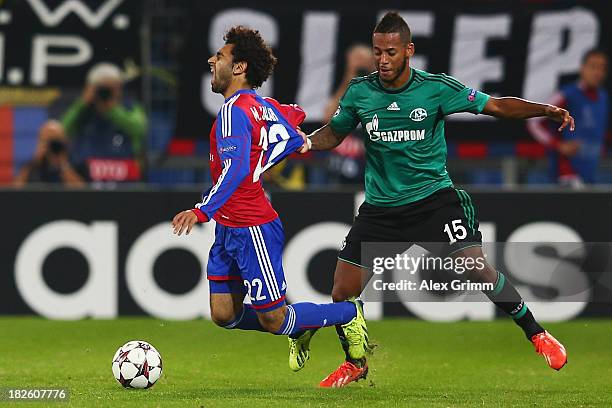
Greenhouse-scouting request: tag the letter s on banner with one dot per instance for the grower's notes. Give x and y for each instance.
(538, 270)
(220, 23)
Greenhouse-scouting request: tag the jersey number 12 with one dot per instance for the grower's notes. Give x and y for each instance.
(277, 135)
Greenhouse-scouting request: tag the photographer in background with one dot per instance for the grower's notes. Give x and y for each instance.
(346, 162)
(50, 163)
(106, 130)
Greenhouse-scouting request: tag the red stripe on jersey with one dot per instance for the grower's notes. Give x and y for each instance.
(224, 278)
(201, 216)
(267, 305)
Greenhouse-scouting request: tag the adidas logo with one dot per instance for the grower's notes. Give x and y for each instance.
(393, 107)
(284, 285)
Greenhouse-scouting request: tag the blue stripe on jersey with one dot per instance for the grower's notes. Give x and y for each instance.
(233, 137)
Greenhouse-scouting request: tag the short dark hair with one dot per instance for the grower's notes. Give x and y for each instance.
(392, 22)
(593, 51)
(250, 47)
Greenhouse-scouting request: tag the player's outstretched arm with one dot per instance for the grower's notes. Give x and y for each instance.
(517, 108)
(324, 138)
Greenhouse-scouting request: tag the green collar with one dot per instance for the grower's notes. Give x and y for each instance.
(396, 90)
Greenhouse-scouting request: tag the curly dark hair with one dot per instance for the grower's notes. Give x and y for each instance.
(250, 47)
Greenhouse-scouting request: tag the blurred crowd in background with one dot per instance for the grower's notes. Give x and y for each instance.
(119, 127)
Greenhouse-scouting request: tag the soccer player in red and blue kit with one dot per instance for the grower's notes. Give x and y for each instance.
(574, 156)
(250, 135)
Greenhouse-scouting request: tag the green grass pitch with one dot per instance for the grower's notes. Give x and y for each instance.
(417, 364)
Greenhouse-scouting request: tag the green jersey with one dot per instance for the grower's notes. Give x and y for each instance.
(405, 144)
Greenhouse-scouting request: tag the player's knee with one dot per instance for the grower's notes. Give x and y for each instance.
(222, 316)
(338, 294)
(484, 273)
(342, 293)
(347, 281)
(474, 265)
(272, 321)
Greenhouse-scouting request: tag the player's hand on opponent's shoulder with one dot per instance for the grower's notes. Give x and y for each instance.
(560, 115)
(184, 221)
(307, 143)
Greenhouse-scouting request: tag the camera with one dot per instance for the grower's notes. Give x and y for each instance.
(56, 146)
(104, 93)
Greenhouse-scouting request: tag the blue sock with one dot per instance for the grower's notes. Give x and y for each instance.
(303, 316)
(247, 320)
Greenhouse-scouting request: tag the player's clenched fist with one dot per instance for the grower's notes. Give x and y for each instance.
(183, 221)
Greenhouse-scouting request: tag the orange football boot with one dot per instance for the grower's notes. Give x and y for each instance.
(346, 373)
(554, 353)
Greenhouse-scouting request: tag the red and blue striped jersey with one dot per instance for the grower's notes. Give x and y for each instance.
(250, 135)
(590, 108)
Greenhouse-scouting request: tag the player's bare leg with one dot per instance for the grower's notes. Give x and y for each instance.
(506, 297)
(273, 321)
(225, 307)
(348, 280)
(348, 283)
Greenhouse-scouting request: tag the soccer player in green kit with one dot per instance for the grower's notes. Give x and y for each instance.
(409, 194)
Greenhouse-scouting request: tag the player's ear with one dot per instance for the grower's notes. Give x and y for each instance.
(409, 50)
(239, 68)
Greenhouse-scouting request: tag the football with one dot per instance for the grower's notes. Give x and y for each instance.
(137, 364)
